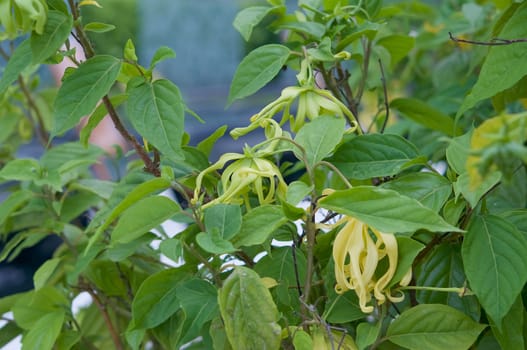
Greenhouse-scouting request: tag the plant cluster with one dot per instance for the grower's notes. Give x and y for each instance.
(406, 227)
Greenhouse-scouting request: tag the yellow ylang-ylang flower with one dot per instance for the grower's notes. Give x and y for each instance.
(247, 173)
(357, 251)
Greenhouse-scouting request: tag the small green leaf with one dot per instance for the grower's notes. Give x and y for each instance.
(129, 51)
(20, 60)
(433, 327)
(56, 32)
(258, 225)
(297, 191)
(367, 334)
(375, 155)
(8, 332)
(207, 144)
(213, 243)
(504, 65)
(82, 90)
(21, 169)
(457, 152)
(33, 306)
(156, 299)
(248, 311)
(98, 27)
(302, 340)
(423, 114)
(223, 219)
(494, 256)
(258, 68)
(157, 112)
(398, 46)
(45, 332)
(45, 271)
(319, 138)
(161, 54)
(386, 210)
(250, 17)
(143, 216)
(12, 203)
(473, 195)
(429, 189)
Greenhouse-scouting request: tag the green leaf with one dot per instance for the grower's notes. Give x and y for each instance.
(213, 243)
(282, 267)
(504, 65)
(314, 29)
(21, 169)
(35, 305)
(8, 332)
(207, 144)
(398, 46)
(375, 155)
(248, 311)
(429, 189)
(225, 219)
(297, 191)
(250, 17)
(156, 299)
(169, 332)
(12, 203)
(56, 32)
(518, 218)
(424, 114)
(433, 327)
(82, 90)
(20, 60)
(157, 112)
(258, 68)
(43, 334)
(258, 225)
(98, 27)
(473, 195)
(161, 54)
(494, 257)
(367, 334)
(407, 250)
(199, 299)
(319, 138)
(302, 340)
(457, 152)
(143, 216)
(44, 272)
(443, 268)
(386, 210)
(511, 336)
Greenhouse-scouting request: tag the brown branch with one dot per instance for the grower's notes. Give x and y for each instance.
(366, 44)
(348, 94)
(386, 104)
(102, 308)
(150, 166)
(492, 42)
(41, 131)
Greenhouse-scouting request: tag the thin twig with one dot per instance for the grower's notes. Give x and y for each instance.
(366, 44)
(41, 131)
(492, 42)
(102, 308)
(386, 104)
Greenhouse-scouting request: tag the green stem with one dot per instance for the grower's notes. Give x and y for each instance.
(462, 291)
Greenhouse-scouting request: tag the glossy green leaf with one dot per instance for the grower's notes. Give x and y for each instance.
(375, 155)
(45, 332)
(161, 54)
(473, 195)
(169, 332)
(302, 340)
(386, 210)
(319, 138)
(504, 65)
(367, 334)
(199, 299)
(433, 327)
(98, 27)
(33, 306)
(248, 311)
(494, 257)
(213, 243)
(157, 112)
(56, 32)
(45, 271)
(518, 218)
(457, 152)
(142, 217)
(82, 90)
(20, 60)
(431, 190)
(8, 332)
(443, 268)
(156, 299)
(225, 219)
(424, 114)
(258, 68)
(250, 17)
(511, 335)
(258, 225)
